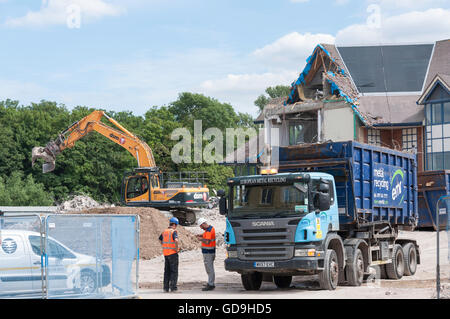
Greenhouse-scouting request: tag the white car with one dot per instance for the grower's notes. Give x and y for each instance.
(20, 266)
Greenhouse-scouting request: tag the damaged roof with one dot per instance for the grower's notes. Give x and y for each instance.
(380, 83)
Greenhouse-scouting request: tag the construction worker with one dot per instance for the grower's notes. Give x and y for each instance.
(208, 240)
(169, 242)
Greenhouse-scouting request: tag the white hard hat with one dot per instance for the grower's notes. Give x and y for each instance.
(201, 221)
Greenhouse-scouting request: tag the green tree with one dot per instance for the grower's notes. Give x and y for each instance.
(95, 165)
(273, 92)
(23, 191)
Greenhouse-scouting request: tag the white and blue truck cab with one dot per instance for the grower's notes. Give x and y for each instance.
(306, 221)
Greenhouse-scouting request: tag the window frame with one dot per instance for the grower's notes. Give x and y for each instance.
(377, 136)
(409, 136)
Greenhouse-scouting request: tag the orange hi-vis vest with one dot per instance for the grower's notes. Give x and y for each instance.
(168, 244)
(209, 235)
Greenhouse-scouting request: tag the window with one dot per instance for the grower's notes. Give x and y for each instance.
(303, 130)
(266, 197)
(438, 136)
(436, 113)
(296, 134)
(409, 139)
(315, 187)
(35, 243)
(374, 137)
(446, 112)
(54, 249)
(258, 201)
(136, 186)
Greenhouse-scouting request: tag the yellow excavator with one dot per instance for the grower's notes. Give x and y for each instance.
(145, 186)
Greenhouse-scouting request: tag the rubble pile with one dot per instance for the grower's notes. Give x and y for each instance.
(79, 203)
(152, 224)
(213, 218)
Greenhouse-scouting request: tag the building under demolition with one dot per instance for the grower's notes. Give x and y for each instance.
(395, 96)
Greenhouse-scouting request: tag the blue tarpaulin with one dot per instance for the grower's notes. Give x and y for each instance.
(334, 87)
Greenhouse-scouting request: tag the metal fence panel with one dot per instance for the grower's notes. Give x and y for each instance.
(91, 256)
(442, 248)
(21, 271)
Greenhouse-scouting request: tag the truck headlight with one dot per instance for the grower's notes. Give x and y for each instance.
(232, 253)
(305, 252)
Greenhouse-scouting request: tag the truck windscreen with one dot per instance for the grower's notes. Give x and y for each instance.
(265, 201)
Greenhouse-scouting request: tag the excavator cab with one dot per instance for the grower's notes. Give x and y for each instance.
(139, 185)
(148, 187)
(137, 188)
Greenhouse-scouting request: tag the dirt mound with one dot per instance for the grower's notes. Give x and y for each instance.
(153, 223)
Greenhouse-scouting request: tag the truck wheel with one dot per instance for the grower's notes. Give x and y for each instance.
(355, 269)
(328, 278)
(383, 273)
(282, 282)
(252, 281)
(410, 259)
(396, 269)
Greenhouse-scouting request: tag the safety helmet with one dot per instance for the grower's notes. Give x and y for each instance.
(201, 221)
(174, 220)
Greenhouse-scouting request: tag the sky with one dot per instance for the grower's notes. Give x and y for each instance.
(131, 55)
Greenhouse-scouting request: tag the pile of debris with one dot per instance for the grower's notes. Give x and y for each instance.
(213, 218)
(79, 203)
(152, 224)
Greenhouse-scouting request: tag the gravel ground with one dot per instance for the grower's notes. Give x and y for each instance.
(192, 276)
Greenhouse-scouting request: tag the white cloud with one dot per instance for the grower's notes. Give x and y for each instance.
(409, 4)
(342, 2)
(241, 90)
(146, 79)
(291, 50)
(25, 92)
(55, 12)
(411, 27)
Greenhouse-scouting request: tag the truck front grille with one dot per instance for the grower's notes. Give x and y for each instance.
(267, 253)
(265, 243)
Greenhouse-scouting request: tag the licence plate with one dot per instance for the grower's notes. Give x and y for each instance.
(264, 264)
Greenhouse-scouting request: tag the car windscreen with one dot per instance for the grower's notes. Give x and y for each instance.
(269, 201)
(54, 248)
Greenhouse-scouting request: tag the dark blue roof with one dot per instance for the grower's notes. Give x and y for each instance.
(387, 68)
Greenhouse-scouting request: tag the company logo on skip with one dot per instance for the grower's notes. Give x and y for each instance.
(397, 190)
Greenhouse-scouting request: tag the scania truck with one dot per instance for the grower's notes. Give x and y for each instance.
(331, 209)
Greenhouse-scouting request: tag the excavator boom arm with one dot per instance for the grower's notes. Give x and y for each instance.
(120, 135)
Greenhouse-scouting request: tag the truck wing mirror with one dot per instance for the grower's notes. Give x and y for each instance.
(222, 202)
(322, 201)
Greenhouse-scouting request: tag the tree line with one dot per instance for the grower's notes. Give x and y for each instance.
(95, 166)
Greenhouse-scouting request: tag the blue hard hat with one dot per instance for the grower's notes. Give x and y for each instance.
(174, 220)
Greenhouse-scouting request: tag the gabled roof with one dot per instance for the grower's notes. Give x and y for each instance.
(439, 79)
(440, 62)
